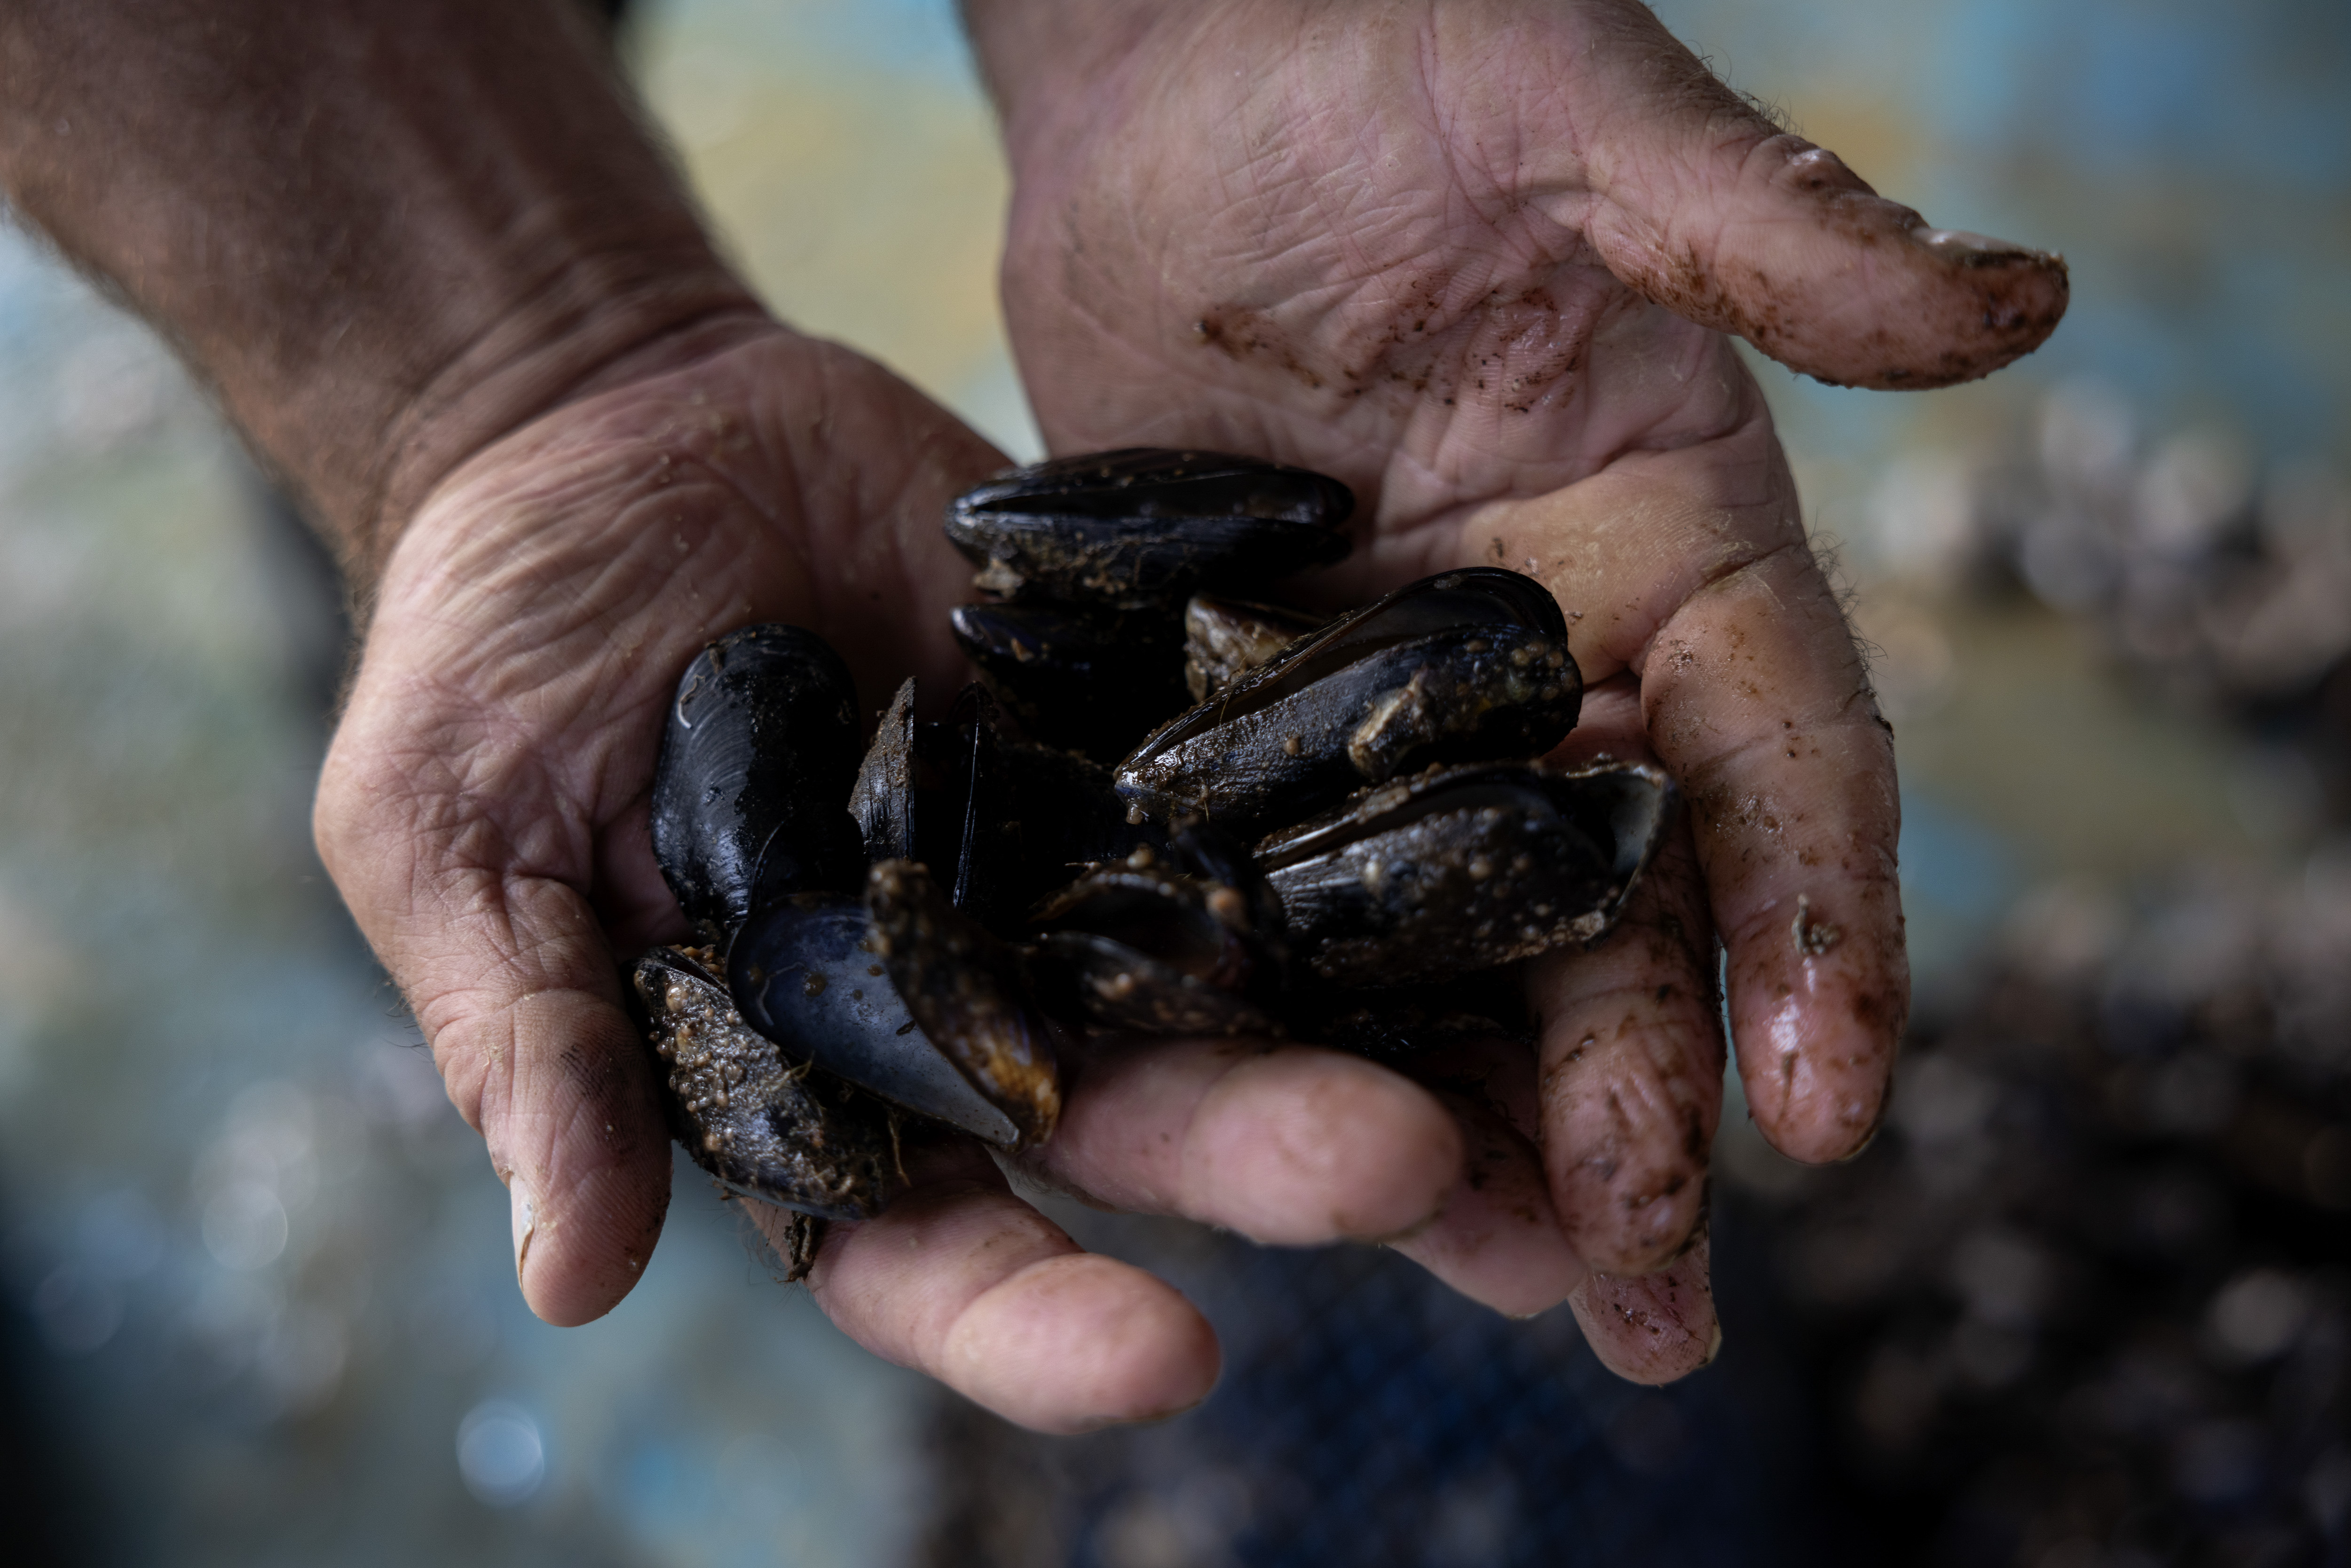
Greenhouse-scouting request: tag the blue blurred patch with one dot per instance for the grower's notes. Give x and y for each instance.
(1953, 865)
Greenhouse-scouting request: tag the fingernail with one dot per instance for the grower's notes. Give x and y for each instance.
(525, 1219)
(1975, 249)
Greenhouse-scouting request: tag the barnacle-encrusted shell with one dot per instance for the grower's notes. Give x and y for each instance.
(762, 1124)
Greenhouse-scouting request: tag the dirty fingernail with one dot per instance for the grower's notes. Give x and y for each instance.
(1974, 249)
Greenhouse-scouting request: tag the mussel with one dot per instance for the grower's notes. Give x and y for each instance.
(1227, 637)
(754, 769)
(809, 971)
(1465, 868)
(764, 1125)
(1189, 943)
(889, 782)
(965, 990)
(765, 819)
(1462, 666)
(1343, 840)
(1142, 527)
(1092, 681)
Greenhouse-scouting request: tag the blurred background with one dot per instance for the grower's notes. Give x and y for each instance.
(2085, 1304)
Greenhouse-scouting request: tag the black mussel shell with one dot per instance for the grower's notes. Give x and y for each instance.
(1144, 525)
(1070, 815)
(756, 761)
(1143, 947)
(1466, 868)
(806, 973)
(1093, 681)
(763, 1125)
(1224, 638)
(965, 989)
(884, 797)
(1013, 819)
(1397, 1024)
(1461, 667)
(970, 820)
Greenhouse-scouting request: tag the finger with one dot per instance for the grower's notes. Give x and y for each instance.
(515, 990)
(1498, 1239)
(1653, 1328)
(1687, 568)
(962, 1281)
(1692, 197)
(1632, 1063)
(1299, 1147)
(1293, 1147)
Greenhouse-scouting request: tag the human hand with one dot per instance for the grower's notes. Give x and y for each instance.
(453, 296)
(484, 809)
(1478, 259)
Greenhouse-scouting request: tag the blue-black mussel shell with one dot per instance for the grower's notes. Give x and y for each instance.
(1461, 869)
(757, 761)
(1145, 525)
(1463, 666)
(1091, 681)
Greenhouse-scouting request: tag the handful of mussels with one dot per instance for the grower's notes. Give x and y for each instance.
(1338, 838)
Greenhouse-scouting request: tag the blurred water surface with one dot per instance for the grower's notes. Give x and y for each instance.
(254, 1276)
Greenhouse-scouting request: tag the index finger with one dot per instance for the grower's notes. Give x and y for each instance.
(1690, 569)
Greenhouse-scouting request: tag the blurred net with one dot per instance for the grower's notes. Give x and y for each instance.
(1369, 1416)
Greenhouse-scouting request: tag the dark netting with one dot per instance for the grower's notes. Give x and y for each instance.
(1368, 1415)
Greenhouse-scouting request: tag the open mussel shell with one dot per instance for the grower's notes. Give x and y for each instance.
(1144, 525)
(1224, 638)
(1092, 681)
(806, 973)
(963, 989)
(757, 758)
(1466, 868)
(1143, 947)
(1464, 666)
(764, 1125)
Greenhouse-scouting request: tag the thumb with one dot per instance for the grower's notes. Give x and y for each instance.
(510, 977)
(1698, 201)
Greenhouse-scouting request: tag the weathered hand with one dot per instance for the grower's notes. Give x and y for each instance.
(483, 810)
(1478, 259)
(428, 261)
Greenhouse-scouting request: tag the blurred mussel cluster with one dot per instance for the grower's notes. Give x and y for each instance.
(2211, 576)
(2088, 1300)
